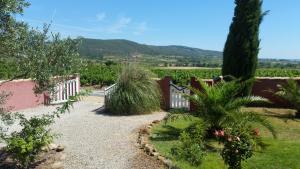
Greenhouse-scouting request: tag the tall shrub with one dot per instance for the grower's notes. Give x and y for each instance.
(242, 45)
(40, 57)
(135, 93)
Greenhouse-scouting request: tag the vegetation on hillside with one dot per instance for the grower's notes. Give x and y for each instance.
(98, 48)
(124, 50)
(98, 74)
(184, 75)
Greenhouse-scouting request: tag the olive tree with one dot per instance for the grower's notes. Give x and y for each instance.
(39, 55)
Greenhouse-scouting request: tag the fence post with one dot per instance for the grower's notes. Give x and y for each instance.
(77, 83)
(165, 90)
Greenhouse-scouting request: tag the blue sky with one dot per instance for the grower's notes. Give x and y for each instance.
(196, 23)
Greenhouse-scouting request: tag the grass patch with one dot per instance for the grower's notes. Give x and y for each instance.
(282, 153)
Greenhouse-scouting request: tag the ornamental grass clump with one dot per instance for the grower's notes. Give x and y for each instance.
(135, 93)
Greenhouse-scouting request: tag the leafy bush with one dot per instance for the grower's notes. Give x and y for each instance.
(31, 53)
(135, 93)
(27, 144)
(240, 138)
(99, 74)
(237, 147)
(291, 93)
(220, 106)
(184, 75)
(192, 147)
(8, 69)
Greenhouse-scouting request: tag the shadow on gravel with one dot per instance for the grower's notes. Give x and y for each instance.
(101, 111)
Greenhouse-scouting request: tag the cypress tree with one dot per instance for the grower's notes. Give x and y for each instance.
(242, 44)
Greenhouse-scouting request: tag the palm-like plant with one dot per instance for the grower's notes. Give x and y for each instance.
(290, 92)
(222, 102)
(221, 106)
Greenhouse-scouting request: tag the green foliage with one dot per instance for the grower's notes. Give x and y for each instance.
(240, 139)
(99, 74)
(220, 107)
(9, 27)
(237, 148)
(96, 48)
(120, 50)
(135, 93)
(242, 45)
(30, 53)
(191, 146)
(221, 102)
(282, 153)
(183, 76)
(27, 144)
(7, 69)
(290, 92)
(46, 56)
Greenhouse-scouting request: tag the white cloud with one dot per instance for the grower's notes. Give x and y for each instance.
(118, 27)
(101, 16)
(141, 28)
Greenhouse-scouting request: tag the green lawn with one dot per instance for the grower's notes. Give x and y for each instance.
(281, 153)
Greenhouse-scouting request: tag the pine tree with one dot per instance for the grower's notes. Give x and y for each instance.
(242, 45)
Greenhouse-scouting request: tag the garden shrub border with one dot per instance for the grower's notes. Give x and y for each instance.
(148, 148)
(51, 156)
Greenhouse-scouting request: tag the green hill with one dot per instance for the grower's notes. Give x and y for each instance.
(118, 47)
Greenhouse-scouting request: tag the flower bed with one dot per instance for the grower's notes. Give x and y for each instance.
(279, 153)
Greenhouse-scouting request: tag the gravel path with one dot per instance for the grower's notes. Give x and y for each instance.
(97, 141)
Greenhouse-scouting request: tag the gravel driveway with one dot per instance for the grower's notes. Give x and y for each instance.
(97, 141)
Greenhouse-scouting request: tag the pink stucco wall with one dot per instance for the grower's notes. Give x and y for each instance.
(21, 94)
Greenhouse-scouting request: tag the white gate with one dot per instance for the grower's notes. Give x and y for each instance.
(109, 89)
(63, 90)
(107, 92)
(177, 99)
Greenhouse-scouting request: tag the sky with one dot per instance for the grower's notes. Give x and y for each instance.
(196, 23)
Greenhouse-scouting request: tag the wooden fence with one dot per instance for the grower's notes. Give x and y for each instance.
(63, 90)
(22, 96)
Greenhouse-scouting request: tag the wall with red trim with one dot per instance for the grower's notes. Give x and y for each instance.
(263, 86)
(266, 87)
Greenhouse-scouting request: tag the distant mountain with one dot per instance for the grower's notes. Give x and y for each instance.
(119, 47)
